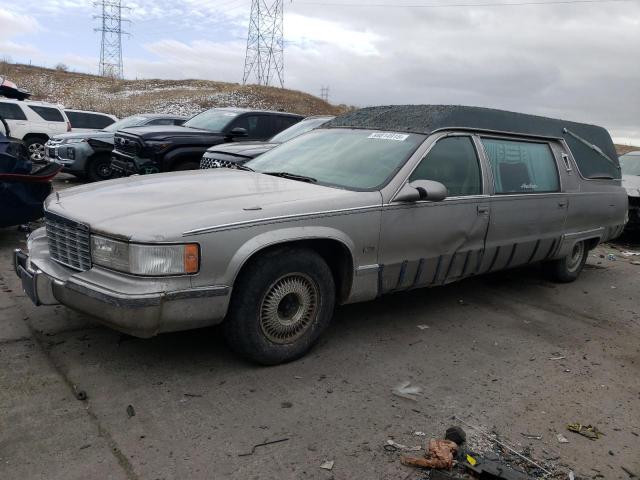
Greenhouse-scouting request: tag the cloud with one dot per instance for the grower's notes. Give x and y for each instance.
(13, 25)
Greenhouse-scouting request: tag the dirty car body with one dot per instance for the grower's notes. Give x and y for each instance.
(380, 200)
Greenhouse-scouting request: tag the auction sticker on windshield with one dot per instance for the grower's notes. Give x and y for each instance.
(398, 137)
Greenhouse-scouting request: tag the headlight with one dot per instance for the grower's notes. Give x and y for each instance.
(74, 140)
(151, 260)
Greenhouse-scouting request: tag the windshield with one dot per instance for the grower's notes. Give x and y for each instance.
(124, 123)
(214, 120)
(630, 164)
(299, 128)
(352, 159)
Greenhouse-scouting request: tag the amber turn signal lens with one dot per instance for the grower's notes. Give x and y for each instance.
(191, 258)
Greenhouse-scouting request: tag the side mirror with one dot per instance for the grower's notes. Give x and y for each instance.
(238, 132)
(417, 190)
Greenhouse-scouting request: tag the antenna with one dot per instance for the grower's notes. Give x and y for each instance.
(264, 60)
(111, 45)
(324, 93)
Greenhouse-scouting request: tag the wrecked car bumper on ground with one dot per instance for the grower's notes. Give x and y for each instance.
(142, 307)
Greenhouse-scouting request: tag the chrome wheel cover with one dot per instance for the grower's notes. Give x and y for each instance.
(289, 307)
(36, 151)
(575, 259)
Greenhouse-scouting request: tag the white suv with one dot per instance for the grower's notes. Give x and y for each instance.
(34, 123)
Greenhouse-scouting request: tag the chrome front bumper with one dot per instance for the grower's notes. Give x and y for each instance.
(138, 314)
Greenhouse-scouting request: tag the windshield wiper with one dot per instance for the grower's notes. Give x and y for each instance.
(292, 176)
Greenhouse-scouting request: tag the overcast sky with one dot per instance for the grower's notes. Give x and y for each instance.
(578, 62)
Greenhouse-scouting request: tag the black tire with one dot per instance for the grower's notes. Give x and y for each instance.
(35, 146)
(567, 269)
(282, 301)
(179, 167)
(99, 168)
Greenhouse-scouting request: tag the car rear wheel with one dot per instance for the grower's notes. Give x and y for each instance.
(567, 269)
(99, 168)
(35, 145)
(282, 301)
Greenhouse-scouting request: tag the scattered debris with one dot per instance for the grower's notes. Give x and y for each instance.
(405, 390)
(635, 262)
(572, 476)
(393, 446)
(286, 405)
(531, 436)
(589, 431)
(193, 395)
(494, 469)
(85, 446)
(629, 253)
(327, 465)
(264, 444)
(557, 358)
(420, 434)
(611, 257)
(562, 438)
(439, 455)
(628, 472)
(423, 327)
(131, 411)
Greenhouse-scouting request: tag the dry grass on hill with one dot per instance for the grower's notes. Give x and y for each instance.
(185, 97)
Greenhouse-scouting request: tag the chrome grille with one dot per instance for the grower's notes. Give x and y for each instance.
(69, 242)
(208, 162)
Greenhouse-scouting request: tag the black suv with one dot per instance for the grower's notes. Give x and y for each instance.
(145, 150)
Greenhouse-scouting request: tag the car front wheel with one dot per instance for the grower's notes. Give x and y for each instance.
(282, 301)
(99, 168)
(35, 145)
(567, 269)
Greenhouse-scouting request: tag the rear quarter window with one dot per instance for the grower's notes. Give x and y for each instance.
(48, 113)
(11, 111)
(88, 120)
(522, 167)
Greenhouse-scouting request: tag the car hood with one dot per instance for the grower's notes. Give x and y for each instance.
(631, 183)
(162, 132)
(98, 135)
(161, 207)
(244, 149)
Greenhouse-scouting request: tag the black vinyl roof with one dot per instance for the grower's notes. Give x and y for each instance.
(427, 119)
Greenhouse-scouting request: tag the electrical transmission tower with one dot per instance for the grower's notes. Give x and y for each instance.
(264, 60)
(111, 45)
(324, 94)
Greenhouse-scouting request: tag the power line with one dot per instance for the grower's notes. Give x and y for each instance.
(111, 43)
(459, 5)
(264, 59)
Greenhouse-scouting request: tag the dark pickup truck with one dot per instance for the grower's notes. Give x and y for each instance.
(144, 150)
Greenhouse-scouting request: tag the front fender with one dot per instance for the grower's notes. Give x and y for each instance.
(180, 154)
(281, 236)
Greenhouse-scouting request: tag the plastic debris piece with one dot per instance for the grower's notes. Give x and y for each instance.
(589, 431)
(131, 412)
(328, 465)
(423, 327)
(471, 461)
(611, 257)
(629, 253)
(635, 263)
(572, 476)
(438, 456)
(562, 438)
(405, 390)
(420, 434)
(557, 358)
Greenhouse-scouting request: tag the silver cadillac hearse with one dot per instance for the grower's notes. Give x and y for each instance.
(379, 200)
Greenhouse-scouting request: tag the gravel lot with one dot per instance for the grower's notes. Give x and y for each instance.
(490, 355)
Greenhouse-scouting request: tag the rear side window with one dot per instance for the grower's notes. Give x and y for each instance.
(11, 111)
(47, 113)
(257, 126)
(522, 167)
(454, 163)
(88, 120)
(280, 122)
(162, 121)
